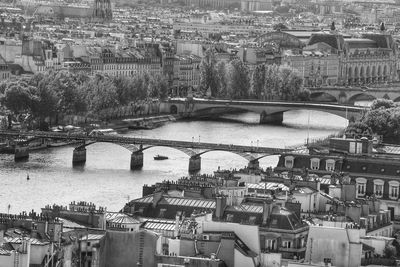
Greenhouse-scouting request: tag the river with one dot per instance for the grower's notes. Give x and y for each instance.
(106, 179)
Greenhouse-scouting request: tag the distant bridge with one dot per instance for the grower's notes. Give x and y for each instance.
(137, 145)
(271, 112)
(353, 94)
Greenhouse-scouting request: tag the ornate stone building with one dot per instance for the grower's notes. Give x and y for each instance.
(367, 60)
(102, 11)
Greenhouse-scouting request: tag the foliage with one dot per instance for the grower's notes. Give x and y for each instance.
(385, 103)
(383, 119)
(358, 129)
(208, 73)
(239, 79)
(222, 79)
(47, 95)
(20, 97)
(258, 81)
(390, 251)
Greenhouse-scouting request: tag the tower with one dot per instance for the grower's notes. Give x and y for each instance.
(102, 11)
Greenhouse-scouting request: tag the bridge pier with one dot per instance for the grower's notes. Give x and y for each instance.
(274, 118)
(21, 153)
(136, 160)
(253, 164)
(79, 156)
(194, 163)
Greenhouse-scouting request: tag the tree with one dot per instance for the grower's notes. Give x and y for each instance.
(333, 27)
(390, 251)
(357, 130)
(102, 94)
(272, 82)
(239, 81)
(124, 88)
(279, 26)
(383, 28)
(378, 120)
(258, 81)
(208, 76)
(222, 80)
(163, 87)
(19, 97)
(382, 103)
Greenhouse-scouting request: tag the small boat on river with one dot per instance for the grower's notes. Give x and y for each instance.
(160, 157)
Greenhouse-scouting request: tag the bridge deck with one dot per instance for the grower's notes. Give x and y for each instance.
(147, 141)
(305, 105)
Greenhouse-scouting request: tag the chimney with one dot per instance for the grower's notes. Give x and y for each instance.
(176, 228)
(266, 212)
(156, 198)
(220, 207)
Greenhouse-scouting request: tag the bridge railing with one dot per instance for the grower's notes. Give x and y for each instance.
(147, 141)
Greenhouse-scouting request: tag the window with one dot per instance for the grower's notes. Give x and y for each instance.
(361, 186)
(355, 148)
(286, 244)
(289, 162)
(393, 189)
(378, 187)
(270, 244)
(88, 244)
(330, 165)
(314, 164)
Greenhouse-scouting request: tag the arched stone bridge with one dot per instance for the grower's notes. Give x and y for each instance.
(349, 95)
(137, 145)
(270, 112)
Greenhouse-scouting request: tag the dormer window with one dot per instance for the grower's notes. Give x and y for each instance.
(355, 147)
(314, 164)
(378, 187)
(162, 213)
(289, 162)
(361, 186)
(330, 165)
(394, 189)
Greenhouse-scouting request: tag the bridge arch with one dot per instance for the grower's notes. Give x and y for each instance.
(259, 110)
(323, 97)
(187, 151)
(361, 97)
(129, 147)
(246, 156)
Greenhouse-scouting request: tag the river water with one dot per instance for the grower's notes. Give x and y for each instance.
(106, 179)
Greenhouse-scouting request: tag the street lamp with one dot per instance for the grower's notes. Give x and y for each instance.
(199, 138)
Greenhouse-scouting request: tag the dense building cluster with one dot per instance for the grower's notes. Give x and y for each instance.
(289, 215)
